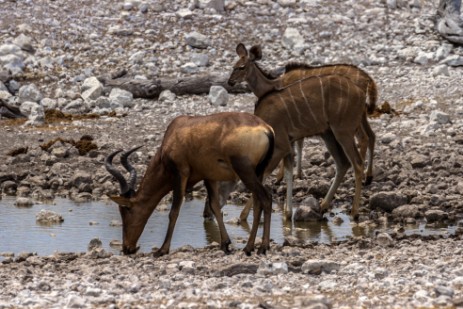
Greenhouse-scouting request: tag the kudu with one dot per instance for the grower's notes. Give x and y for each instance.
(331, 106)
(298, 71)
(227, 146)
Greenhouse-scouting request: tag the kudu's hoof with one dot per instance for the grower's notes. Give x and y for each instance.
(368, 180)
(356, 217)
(262, 250)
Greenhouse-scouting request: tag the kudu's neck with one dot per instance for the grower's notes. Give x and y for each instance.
(259, 83)
(155, 184)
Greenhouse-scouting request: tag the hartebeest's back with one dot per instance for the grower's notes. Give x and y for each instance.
(208, 157)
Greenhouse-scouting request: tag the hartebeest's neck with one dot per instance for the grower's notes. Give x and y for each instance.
(154, 186)
(259, 83)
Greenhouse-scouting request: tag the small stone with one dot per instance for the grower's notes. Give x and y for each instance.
(218, 96)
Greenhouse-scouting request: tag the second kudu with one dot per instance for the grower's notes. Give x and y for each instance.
(328, 105)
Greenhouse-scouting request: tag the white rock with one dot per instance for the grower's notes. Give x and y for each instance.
(184, 13)
(48, 217)
(29, 93)
(218, 96)
(91, 89)
(292, 38)
(439, 117)
(197, 40)
(217, 5)
(167, 96)
(121, 97)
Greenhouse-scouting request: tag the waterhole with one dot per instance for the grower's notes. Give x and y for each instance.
(19, 231)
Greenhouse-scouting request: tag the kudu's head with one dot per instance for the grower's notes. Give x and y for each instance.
(133, 219)
(243, 66)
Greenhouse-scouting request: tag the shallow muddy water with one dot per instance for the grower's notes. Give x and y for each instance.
(19, 231)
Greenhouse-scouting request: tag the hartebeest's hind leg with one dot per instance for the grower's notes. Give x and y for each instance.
(213, 195)
(262, 202)
(179, 189)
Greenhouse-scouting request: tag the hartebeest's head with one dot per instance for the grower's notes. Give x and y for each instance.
(133, 220)
(242, 68)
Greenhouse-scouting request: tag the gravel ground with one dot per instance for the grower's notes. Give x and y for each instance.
(60, 46)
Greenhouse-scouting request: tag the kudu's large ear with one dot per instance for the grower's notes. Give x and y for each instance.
(241, 50)
(121, 201)
(255, 52)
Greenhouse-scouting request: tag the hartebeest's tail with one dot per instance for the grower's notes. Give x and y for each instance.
(260, 168)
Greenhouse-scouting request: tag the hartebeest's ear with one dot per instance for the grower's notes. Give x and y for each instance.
(121, 201)
(241, 50)
(256, 52)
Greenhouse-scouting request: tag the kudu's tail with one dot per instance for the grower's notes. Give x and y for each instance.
(372, 92)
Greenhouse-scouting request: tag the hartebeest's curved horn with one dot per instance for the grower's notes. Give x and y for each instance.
(113, 171)
(125, 163)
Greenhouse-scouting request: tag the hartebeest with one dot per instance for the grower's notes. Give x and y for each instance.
(220, 147)
(329, 105)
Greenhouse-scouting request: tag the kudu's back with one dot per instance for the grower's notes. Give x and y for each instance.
(300, 71)
(313, 105)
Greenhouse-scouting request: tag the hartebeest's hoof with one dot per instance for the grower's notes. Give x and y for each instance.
(160, 253)
(225, 247)
(248, 251)
(129, 251)
(355, 217)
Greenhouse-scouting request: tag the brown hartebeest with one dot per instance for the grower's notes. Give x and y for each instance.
(329, 105)
(220, 147)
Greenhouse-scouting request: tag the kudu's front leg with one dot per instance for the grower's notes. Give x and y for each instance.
(213, 195)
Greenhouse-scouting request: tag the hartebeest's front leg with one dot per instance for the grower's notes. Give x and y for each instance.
(213, 195)
(178, 195)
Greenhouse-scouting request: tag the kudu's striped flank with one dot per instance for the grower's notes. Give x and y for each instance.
(295, 72)
(326, 104)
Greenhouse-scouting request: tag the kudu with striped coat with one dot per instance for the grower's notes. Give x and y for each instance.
(295, 72)
(220, 147)
(331, 106)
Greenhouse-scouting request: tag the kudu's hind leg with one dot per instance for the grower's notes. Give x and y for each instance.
(225, 188)
(347, 143)
(262, 202)
(177, 200)
(371, 149)
(288, 161)
(213, 195)
(281, 166)
(299, 144)
(342, 165)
